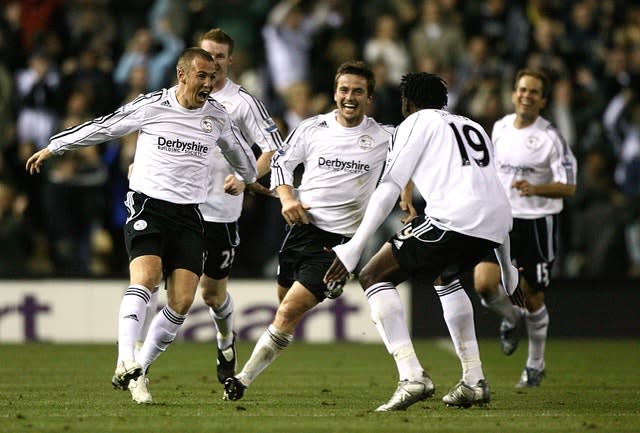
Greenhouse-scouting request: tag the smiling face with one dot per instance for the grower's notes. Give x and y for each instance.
(528, 99)
(195, 82)
(352, 99)
(220, 53)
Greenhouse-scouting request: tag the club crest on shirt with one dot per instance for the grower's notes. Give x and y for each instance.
(140, 225)
(533, 143)
(365, 142)
(207, 124)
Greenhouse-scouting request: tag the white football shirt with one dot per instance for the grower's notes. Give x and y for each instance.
(174, 148)
(341, 168)
(536, 153)
(449, 159)
(252, 119)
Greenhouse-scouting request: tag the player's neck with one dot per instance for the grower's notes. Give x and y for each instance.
(523, 122)
(219, 85)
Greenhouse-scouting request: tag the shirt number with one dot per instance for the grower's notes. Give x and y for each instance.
(472, 138)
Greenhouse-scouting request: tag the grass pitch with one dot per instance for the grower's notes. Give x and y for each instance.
(591, 386)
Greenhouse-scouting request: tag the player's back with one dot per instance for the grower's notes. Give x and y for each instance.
(450, 160)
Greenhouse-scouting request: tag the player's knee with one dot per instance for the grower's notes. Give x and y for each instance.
(288, 315)
(367, 278)
(485, 284)
(181, 304)
(214, 292)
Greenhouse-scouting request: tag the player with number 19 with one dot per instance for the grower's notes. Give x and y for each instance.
(449, 159)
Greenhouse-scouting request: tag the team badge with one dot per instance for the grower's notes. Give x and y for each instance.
(365, 142)
(140, 225)
(533, 143)
(207, 124)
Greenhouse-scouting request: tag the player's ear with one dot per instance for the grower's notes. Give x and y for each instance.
(180, 74)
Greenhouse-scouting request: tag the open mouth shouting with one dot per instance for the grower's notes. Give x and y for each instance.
(203, 95)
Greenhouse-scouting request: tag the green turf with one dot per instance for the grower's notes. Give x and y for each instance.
(591, 386)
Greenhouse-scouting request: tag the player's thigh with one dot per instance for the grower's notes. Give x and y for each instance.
(184, 249)
(146, 270)
(383, 266)
(303, 259)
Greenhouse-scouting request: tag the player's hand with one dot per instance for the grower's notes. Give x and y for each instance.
(35, 161)
(407, 207)
(258, 188)
(294, 211)
(517, 297)
(336, 272)
(524, 188)
(233, 186)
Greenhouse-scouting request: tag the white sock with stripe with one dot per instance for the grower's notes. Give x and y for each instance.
(458, 314)
(131, 317)
(388, 315)
(162, 332)
(266, 350)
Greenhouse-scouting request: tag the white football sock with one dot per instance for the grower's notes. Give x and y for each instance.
(458, 314)
(267, 349)
(388, 315)
(152, 309)
(223, 319)
(131, 316)
(500, 304)
(537, 327)
(162, 332)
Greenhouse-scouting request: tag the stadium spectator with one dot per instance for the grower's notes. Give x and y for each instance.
(7, 114)
(502, 24)
(622, 123)
(300, 104)
(141, 51)
(597, 254)
(73, 199)
(335, 50)
(433, 36)
(10, 29)
(38, 17)
(385, 105)
(548, 50)
(38, 102)
(288, 40)
(385, 45)
(16, 243)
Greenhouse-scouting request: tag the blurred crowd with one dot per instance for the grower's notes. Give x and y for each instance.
(64, 62)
